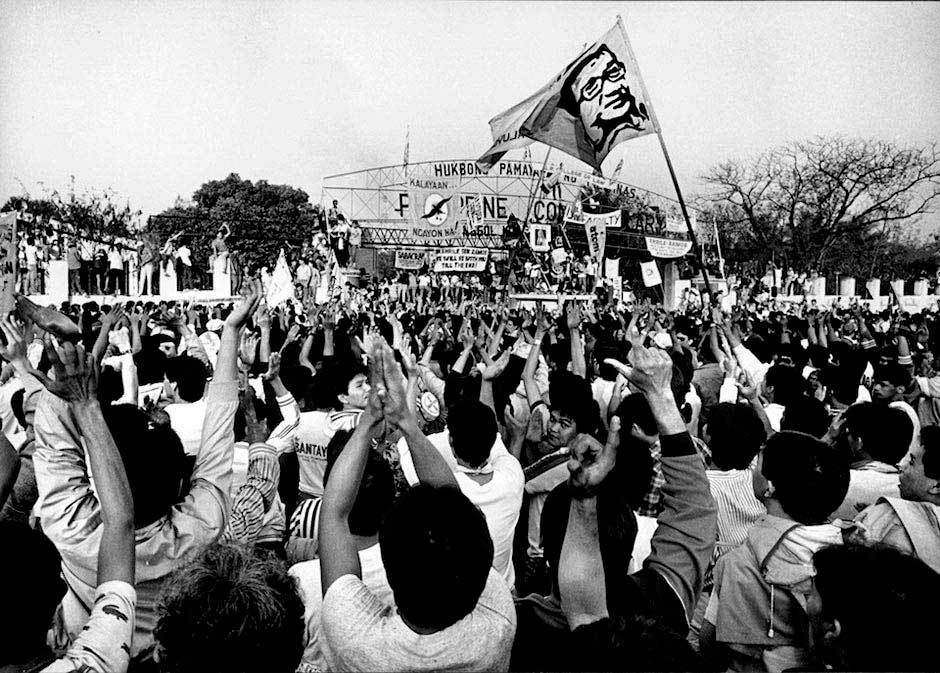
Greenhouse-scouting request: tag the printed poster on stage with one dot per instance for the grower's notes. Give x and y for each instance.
(540, 237)
(650, 271)
(435, 206)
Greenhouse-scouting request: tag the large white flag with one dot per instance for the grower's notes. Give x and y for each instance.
(281, 287)
(594, 104)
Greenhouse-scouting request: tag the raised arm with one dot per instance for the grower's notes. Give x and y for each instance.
(430, 466)
(79, 386)
(685, 537)
(338, 552)
(573, 317)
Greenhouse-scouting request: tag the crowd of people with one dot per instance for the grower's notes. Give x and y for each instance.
(429, 480)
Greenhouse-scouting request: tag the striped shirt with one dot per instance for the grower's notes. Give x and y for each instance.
(738, 507)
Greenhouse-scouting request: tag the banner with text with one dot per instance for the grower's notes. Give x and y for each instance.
(596, 234)
(667, 248)
(410, 259)
(461, 260)
(8, 262)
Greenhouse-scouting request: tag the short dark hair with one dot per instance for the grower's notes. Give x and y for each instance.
(570, 395)
(472, 428)
(886, 432)
(33, 589)
(787, 383)
(340, 375)
(635, 409)
(806, 414)
(810, 478)
(230, 609)
(736, 434)
(879, 595)
(153, 458)
(189, 375)
(893, 373)
(437, 553)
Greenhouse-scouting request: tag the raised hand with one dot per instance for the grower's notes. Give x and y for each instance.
(391, 390)
(76, 374)
(274, 367)
(15, 336)
(594, 461)
(248, 348)
(516, 426)
(245, 308)
(47, 319)
(407, 358)
(495, 367)
(573, 315)
(650, 370)
(113, 318)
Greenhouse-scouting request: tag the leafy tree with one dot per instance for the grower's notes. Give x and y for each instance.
(94, 214)
(261, 218)
(827, 203)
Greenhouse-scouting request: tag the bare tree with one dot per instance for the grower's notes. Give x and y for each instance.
(802, 200)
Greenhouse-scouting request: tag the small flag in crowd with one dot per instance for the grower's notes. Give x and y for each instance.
(282, 282)
(594, 104)
(549, 183)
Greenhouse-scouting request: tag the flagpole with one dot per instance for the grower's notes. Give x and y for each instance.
(685, 214)
(672, 173)
(533, 185)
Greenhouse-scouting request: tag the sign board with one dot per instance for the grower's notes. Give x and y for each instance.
(540, 237)
(667, 248)
(650, 272)
(461, 260)
(410, 259)
(8, 261)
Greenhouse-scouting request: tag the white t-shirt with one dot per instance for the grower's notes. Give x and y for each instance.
(186, 419)
(310, 581)
(183, 254)
(363, 634)
(115, 260)
(31, 253)
(314, 433)
(500, 499)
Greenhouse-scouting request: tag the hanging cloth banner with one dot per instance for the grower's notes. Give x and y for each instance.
(596, 234)
(667, 248)
(461, 259)
(434, 205)
(607, 220)
(650, 272)
(410, 259)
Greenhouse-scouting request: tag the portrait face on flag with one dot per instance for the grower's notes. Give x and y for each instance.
(595, 103)
(597, 92)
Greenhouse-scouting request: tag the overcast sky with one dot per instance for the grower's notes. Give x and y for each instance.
(153, 99)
